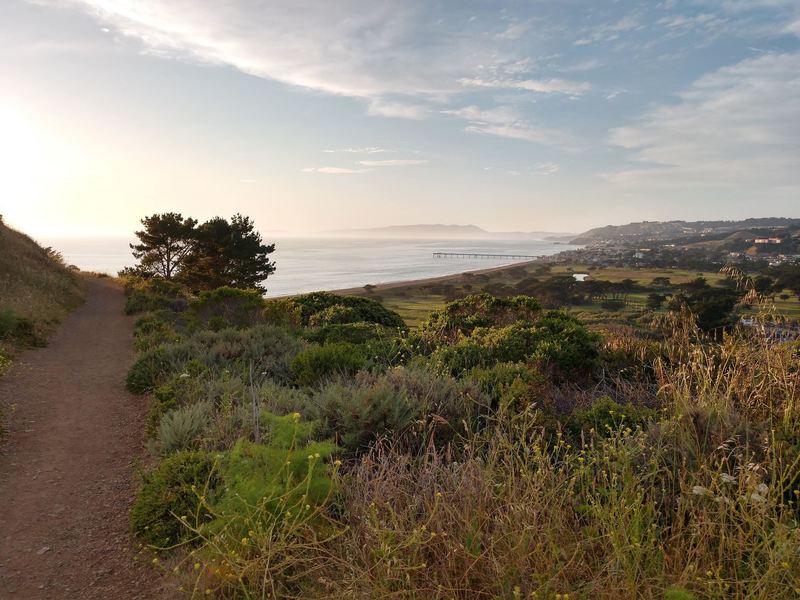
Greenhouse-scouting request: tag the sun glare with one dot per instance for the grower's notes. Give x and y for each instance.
(21, 157)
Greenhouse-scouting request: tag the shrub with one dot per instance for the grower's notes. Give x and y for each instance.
(179, 426)
(170, 492)
(606, 416)
(366, 310)
(353, 333)
(359, 413)
(145, 295)
(337, 314)
(555, 339)
(266, 350)
(254, 473)
(319, 362)
(462, 317)
(282, 312)
(229, 307)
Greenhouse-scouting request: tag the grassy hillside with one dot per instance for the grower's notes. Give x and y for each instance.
(36, 290)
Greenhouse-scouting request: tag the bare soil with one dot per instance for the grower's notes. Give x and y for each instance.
(68, 462)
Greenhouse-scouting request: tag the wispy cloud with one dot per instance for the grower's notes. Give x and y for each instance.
(392, 163)
(505, 121)
(514, 31)
(737, 125)
(544, 86)
(361, 150)
(335, 170)
(547, 168)
(608, 32)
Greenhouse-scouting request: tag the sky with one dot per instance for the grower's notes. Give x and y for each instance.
(313, 115)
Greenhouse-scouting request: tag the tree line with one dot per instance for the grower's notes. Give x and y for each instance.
(202, 256)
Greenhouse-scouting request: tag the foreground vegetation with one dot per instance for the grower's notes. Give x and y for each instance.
(36, 291)
(314, 447)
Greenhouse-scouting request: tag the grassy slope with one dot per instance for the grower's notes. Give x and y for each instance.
(36, 290)
(416, 299)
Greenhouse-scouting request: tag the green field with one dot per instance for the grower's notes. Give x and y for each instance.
(415, 300)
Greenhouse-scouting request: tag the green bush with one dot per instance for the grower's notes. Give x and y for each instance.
(360, 309)
(268, 350)
(338, 314)
(555, 339)
(180, 426)
(170, 492)
(606, 416)
(359, 413)
(229, 307)
(146, 295)
(462, 317)
(319, 362)
(285, 474)
(353, 333)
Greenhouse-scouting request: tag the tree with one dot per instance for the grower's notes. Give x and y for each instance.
(228, 254)
(164, 244)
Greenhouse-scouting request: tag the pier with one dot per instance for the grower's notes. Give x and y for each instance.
(480, 255)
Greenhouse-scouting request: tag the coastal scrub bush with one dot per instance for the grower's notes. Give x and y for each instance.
(555, 339)
(355, 414)
(606, 416)
(282, 312)
(264, 349)
(462, 317)
(229, 307)
(254, 472)
(337, 314)
(147, 295)
(172, 491)
(353, 333)
(319, 362)
(179, 426)
(358, 309)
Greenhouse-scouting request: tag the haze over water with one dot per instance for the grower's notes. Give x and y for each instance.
(311, 264)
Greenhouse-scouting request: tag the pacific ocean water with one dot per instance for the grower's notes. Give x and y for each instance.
(311, 264)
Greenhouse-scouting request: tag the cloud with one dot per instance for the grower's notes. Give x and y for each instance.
(608, 32)
(392, 163)
(363, 150)
(394, 55)
(335, 170)
(544, 86)
(505, 121)
(547, 168)
(386, 108)
(739, 125)
(514, 31)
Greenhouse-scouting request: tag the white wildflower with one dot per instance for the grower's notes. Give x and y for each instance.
(756, 497)
(699, 490)
(762, 489)
(726, 478)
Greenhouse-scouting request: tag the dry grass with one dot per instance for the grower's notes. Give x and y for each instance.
(703, 501)
(34, 283)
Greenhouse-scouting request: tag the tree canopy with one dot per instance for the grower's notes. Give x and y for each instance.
(163, 244)
(203, 256)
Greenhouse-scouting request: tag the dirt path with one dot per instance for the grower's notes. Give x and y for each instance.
(67, 472)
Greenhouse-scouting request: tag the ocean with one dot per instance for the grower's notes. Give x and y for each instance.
(311, 264)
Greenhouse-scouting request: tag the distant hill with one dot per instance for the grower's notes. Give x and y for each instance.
(444, 232)
(676, 230)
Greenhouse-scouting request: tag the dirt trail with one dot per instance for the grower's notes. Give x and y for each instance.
(67, 473)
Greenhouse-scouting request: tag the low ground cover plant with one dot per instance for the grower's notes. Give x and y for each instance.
(313, 447)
